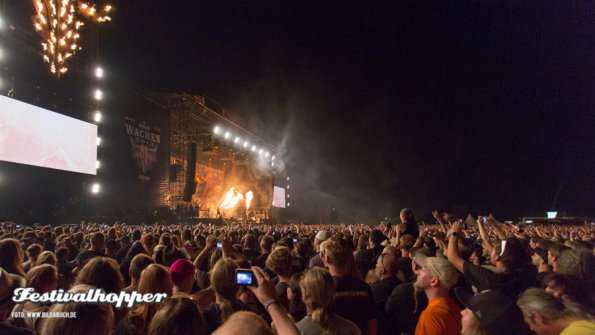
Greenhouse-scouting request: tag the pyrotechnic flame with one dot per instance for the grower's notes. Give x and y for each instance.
(57, 25)
(249, 197)
(228, 198)
(235, 201)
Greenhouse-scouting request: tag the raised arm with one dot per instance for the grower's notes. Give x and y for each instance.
(453, 247)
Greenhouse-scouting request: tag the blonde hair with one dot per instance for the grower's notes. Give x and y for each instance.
(12, 256)
(177, 316)
(535, 300)
(474, 328)
(223, 282)
(41, 276)
(154, 279)
(245, 323)
(318, 289)
(91, 319)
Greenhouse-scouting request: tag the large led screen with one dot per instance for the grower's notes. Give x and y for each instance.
(278, 197)
(36, 136)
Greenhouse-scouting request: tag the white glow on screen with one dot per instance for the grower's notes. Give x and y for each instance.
(278, 197)
(552, 215)
(35, 136)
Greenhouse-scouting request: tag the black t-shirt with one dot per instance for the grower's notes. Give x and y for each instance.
(381, 290)
(354, 301)
(403, 308)
(509, 283)
(404, 265)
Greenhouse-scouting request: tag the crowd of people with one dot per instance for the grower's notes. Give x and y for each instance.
(450, 277)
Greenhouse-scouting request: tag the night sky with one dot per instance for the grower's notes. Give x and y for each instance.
(468, 106)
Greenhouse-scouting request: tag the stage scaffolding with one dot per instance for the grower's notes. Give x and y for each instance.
(192, 119)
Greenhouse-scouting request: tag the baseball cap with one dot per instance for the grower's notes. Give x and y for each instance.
(180, 269)
(323, 235)
(497, 313)
(440, 267)
(147, 238)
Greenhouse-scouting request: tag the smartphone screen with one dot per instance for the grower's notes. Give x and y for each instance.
(295, 240)
(219, 245)
(245, 277)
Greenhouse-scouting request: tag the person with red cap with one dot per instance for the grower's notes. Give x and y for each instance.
(182, 274)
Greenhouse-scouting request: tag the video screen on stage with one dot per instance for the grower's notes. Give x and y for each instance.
(35, 136)
(278, 197)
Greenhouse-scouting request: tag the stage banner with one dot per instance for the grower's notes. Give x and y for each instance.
(145, 140)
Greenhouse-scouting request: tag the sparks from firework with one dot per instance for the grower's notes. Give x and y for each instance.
(57, 24)
(232, 197)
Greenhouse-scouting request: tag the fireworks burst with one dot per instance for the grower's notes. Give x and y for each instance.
(58, 25)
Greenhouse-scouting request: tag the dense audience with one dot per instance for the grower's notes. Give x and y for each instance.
(450, 277)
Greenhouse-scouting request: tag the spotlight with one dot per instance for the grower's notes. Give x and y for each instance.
(260, 151)
(236, 140)
(273, 164)
(288, 196)
(273, 158)
(246, 144)
(266, 154)
(288, 187)
(97, 165)
(287, 178)
(227, 135)
(98, 140)
(253, 148)
(97, 116)
(98, 94)
(216, 130)
(288, 204)
(99, 72)
(95, 188)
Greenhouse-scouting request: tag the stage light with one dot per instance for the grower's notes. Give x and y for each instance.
(273, 158)
(227, 135)
(216, 130)
(236, 140)
(98, 140)
(97, 116)
(97, 165)
(288, 204)
(552, 215)
(287, 178)
(260, 151)
(273, 164)
(253, 148)
(99, 72)
(95, 188)
(98, 94)
(266, 154)
(246, 144)
(288, 196)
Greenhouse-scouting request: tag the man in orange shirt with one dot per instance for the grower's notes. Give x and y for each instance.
(436, 277)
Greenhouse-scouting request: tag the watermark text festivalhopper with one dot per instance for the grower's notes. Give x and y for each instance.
(93, 296)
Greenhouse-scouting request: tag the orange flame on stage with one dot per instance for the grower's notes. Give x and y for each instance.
(249, 197)
(233, 197)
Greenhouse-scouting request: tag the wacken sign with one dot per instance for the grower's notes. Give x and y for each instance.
(144, 142)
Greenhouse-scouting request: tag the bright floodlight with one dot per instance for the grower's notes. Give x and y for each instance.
(246, 144)
(552, 215)
(95, 188)
(98, 94)
(98, 140)
(288, 187)
(273, 164)
(273, 158)
(287, 178)
(216, 130)
(97, 165)
(288, 204)
(227, 135)
(260, 151)
(99, 72)
(97, 116)
(236, 140)
(266, 154)
(253, 148)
